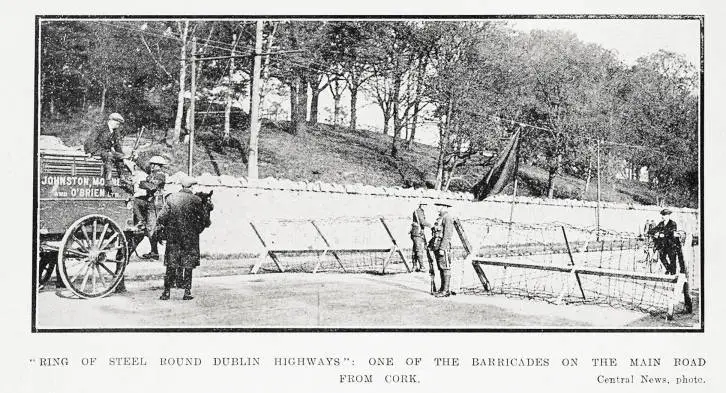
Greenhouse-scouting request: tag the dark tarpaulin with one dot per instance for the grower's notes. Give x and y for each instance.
(501, 173)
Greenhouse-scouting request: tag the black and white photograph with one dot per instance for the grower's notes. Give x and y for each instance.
(508, 173)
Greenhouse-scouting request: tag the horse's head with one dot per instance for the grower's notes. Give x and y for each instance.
(206, 198)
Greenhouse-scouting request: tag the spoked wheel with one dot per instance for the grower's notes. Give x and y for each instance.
(92, 256)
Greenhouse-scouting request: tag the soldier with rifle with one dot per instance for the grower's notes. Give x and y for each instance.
(440, 244)
(417, 233)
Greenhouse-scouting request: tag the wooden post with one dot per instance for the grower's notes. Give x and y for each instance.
(252, 170)
(572, 263)
(190, 160)
(468, 247)
(511, 212)
(598, 190)
(327, 244)
(266, 252)
(394, 249)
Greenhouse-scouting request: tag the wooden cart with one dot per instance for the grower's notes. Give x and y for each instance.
(84, 233)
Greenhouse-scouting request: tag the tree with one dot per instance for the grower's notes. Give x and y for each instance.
(659, 108)
(350, 54)
(561, 71)
(466, 87)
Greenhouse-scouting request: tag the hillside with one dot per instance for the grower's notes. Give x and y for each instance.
(336, 155)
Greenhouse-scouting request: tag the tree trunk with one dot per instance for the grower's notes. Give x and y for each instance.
(336, 110)
(450, 174)
(182, 79)
(551, 178)
(293, 102)
(300, 98)
(314, 99)
(353, 102)
(103, 99)
(230, 93)
(416, 105)
(443, 142)
(386, 120)
(396, 118)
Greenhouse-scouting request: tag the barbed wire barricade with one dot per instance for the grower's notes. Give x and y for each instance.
(344, 245)
(616, 269)
(553, 262)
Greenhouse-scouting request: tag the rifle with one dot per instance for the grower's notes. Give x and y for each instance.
(128, 161)
(428, 252)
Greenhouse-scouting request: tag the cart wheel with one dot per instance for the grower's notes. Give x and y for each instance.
(93, 256)
(45, 266)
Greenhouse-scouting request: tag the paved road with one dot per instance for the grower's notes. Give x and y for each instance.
(306, 300)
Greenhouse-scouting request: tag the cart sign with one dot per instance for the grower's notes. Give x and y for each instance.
(58, 186)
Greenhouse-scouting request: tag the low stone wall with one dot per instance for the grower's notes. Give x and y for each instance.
(272, 203)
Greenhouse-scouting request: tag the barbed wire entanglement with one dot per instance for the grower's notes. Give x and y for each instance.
(528, 260)
(375, 245)
(532, 261)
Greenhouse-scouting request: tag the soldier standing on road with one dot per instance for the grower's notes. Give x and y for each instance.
(417, 236)
(105, 142)
(664, 237)
(183, 218)
(440, 243)
(148, 200)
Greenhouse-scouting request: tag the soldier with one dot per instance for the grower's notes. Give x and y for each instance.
(104, 142)
(440, 243)
(148, 200)
(417, 236)
(667, 243)
(183, 218)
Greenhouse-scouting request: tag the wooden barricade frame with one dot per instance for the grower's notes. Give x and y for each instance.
(329, 248)
(679, 281)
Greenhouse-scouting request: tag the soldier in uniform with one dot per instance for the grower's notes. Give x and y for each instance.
(183, 218)
(667, 243)
(418, 225)
(440, 243)
(104, 142)
(148, 200)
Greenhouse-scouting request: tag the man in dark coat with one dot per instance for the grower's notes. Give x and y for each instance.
(183, 218)
(442, 232)
(665, 241)
(105, 142)
(148, 200)
(418, 225)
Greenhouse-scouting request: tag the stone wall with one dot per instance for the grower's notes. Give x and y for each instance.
(349, 213)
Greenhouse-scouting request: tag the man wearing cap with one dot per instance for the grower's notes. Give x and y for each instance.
(418, 225)
(104, 142)
(148, 199)
(183, 218)
(440, 243)
(667, 243)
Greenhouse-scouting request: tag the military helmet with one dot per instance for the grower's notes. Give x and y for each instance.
(157, 160)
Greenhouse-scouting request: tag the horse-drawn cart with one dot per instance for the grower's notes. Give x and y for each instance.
(85, 233)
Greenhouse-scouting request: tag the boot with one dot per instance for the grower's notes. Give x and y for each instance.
(445, 281)
(187, 285)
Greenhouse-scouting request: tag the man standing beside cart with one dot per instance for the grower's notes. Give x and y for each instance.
(148, 200)
(182, 219)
